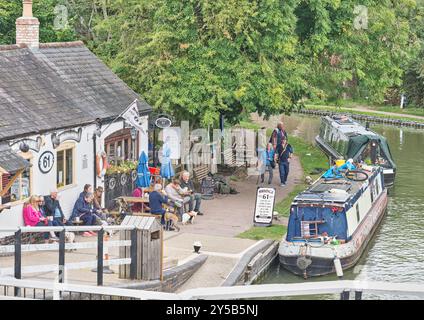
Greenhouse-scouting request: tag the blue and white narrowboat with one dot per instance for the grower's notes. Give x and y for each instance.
(331, 223)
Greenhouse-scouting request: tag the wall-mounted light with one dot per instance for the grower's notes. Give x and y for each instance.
(98, 130)
(133, 132)
(24, 147)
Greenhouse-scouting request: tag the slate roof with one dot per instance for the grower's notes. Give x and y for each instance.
(58, 86)
(10, 161)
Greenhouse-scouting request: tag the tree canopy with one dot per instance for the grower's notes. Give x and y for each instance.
(198, 59)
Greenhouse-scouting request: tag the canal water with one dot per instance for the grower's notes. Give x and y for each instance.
(396, 253)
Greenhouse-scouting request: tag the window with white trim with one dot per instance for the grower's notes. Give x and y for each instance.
(65, 165)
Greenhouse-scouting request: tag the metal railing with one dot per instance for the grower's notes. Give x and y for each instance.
(344, 288)
(18, 248)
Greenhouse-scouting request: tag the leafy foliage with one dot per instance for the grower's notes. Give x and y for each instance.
(197, 59)
(200, 59)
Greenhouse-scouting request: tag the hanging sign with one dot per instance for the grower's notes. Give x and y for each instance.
(46, 162)
(264, 207)
(163, 122)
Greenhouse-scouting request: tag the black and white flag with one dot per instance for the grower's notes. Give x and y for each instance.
(132, 116)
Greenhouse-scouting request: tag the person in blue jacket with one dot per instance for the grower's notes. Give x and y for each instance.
(156, 201)
(267, 158)
(85, 210)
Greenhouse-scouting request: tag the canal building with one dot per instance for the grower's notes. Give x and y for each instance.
(59, 115)
(340, 137)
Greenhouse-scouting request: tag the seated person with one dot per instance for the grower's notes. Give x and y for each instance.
(174, 193)
(85, 210)
(194, 198)
(156, 201)
(54, 211)
(138, 207)
(33, 217)
(97, 203)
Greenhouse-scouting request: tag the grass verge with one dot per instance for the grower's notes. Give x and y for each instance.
(274, 232)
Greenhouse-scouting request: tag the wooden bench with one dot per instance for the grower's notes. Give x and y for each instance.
(201, 172)
(230, 158)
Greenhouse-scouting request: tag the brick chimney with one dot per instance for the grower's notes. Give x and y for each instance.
(27, 27)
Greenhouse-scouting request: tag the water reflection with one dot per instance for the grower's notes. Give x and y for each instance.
(396, 254)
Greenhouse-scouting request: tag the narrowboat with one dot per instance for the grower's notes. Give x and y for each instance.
(331, 223)
(340, 137)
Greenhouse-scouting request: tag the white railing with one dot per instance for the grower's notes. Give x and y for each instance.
(18, 248)
(230, 293)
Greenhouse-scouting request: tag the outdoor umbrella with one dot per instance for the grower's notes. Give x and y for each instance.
(166, 169)
(143, 173)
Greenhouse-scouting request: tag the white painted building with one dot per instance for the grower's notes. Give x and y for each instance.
(55, 99)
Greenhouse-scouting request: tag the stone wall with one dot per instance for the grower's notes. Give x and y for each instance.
(253, 264)
(173, 278)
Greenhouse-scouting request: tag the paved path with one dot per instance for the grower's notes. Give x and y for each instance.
(410, 116)
(229, 215)
(225, 217)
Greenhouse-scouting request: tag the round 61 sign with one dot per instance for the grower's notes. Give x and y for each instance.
(46, 162)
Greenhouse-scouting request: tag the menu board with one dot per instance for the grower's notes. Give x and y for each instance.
(264, 207)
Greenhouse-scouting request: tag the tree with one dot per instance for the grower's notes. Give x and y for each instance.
(414, 76)
(358, 51)
(198, 59)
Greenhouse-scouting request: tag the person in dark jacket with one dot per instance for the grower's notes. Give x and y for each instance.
(188, 187)
(84, 209)
(284, 162)
(278, 136)
(53, 209)
(156, 201)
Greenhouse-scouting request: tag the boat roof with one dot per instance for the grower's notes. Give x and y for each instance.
(334, 191)
(348, 126)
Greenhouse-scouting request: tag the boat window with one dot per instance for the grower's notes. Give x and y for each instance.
(358, 214)
(377, 186)
(372, 187)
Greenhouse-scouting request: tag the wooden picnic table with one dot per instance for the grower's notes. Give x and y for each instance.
(133, 200)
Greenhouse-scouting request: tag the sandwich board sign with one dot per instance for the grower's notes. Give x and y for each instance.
(264, 207)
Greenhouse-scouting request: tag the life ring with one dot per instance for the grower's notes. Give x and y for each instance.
(101, 167)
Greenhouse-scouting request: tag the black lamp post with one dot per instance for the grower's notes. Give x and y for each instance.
(97, 133)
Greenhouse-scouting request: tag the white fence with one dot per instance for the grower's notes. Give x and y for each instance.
(228, 293)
